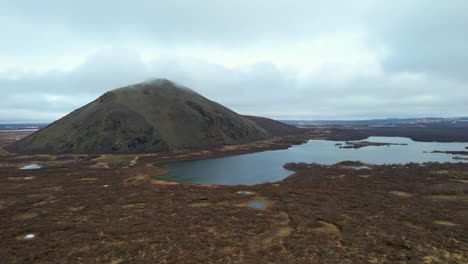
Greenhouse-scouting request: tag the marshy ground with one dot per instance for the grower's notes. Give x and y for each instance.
(107, 209)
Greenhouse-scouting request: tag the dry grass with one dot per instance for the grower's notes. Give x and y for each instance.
(311, 217)
(459, 180)
(117, 159)
(3, 152)
(450, 197)
(278, 231)
(446, 223)
(88, 179)
(199, 204)
(41, 157)
(326, 227)
(100, 165)
(25, 216)
(400, 193)
(133, 205)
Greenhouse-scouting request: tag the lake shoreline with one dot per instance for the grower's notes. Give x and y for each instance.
(208, 170)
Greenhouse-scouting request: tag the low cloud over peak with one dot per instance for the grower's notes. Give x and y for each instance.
(299, 60)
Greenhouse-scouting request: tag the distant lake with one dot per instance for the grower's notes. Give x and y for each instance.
(19, 130)
(267, 166)
(382, 125)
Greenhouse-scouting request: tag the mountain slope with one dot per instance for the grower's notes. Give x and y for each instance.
(275, 128)
(152, 116)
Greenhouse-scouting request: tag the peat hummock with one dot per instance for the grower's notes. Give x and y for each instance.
(153, 116)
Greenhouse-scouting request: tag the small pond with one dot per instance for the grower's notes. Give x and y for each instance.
(31, 167)
(257, 205)
(267, 166)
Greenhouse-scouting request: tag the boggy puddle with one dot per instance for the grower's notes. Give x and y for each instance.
(33, 166)
(255, 201)
(257, 205)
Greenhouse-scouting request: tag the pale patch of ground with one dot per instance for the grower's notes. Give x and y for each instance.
(26, 237)
(452, 173)
(450, 197)
(416, 227)
(441, 172)
(40, 196)
(279, 230)
(88, 179)
(34, 157)
(459, 180)
(20, 178)
(109, 158)
(136, 178)
(199, 204)
(226, 148)
(8, 164)
(100, 165)
(446, 223)
(135, 160)
(326, 227)
(75, 208)
(48, 201)
(4, 203)
(264, 143)
(133, 205)
(459, 256)
(202, 152)
(153, 181)
(399, 193)
(25, 216)
(341, 176)
(229, 250)
(3, 152)
(53, 189)
(104, 160)
(181, 156)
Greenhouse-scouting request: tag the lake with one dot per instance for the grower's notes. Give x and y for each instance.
(18, 130)
(267, 166)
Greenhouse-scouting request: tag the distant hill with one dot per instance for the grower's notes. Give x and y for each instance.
(152, 116)
(388, 121)
(275, 128)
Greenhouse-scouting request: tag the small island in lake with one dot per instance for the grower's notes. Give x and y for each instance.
(361, 144)
(451, 152)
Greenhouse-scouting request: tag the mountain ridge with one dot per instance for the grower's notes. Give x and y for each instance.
(152, 116)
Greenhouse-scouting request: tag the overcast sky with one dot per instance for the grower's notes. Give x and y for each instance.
(288, 59)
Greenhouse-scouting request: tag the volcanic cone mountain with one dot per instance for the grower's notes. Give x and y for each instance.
(153, 116)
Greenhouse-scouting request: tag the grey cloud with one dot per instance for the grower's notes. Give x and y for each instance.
(259, 89)
(230, 23)
(425, 36)
(424, 73)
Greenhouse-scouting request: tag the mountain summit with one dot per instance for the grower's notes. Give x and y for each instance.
(152, 116)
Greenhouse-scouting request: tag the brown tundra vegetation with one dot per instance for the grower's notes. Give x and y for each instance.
(108, 209)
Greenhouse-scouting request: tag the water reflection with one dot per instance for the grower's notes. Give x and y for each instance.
(267, 166)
